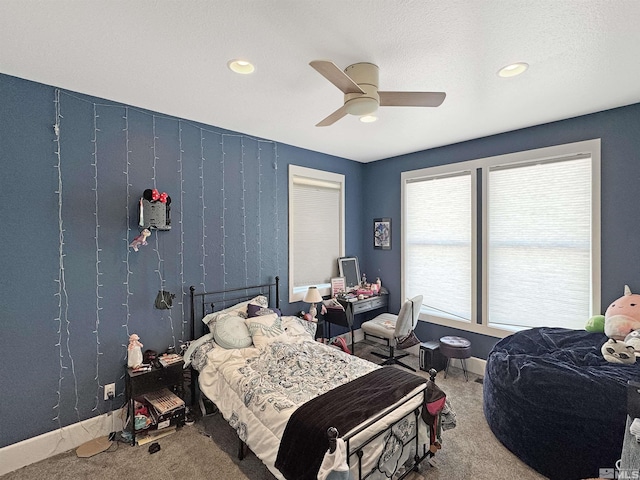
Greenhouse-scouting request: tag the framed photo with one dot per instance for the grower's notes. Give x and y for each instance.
(382, 233)
(338, 285)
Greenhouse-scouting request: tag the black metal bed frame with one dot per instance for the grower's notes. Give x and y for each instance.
(207, 303)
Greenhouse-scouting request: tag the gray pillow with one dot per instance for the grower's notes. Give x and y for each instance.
(231, 332)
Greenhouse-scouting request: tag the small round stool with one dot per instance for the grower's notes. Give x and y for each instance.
(456, 347)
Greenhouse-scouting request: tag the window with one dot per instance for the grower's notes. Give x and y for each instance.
(504, 243)
(316, 229)
(438, 246)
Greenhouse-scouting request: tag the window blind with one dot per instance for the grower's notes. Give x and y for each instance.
(438, 242)
(539, 244)
(316, 220)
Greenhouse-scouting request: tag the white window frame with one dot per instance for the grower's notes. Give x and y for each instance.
(587, 147)
(311, 176)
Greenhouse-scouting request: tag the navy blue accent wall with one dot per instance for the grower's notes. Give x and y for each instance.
(620, 174)
(70, 288)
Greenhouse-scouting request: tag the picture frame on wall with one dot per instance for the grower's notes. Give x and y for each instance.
(382, 233)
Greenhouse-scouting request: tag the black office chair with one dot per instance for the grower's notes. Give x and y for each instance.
(390, 327)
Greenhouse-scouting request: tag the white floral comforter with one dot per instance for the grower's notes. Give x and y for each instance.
(257, 390)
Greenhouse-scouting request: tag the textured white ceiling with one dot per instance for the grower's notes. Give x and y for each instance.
(171, 57)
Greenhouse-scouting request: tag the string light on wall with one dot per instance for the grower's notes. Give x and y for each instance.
(204, 206)
(259, 226)
(96, 332)
(63, 297)
(160, 269)
(128, 271)
(181, 253)
(118, 292)
(244, 215)
(222, 216)
(277, 220)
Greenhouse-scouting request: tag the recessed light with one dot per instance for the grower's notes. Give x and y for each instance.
(368, 118)
(513, 69)
(241, 66)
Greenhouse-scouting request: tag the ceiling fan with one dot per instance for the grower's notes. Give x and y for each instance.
(359, 83)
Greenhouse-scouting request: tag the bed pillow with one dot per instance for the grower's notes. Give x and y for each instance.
(239, 309)
(298, 329)
(231, 331)
(254, 310)
(265, 329)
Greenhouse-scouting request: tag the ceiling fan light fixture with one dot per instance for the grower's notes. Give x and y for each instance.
(361, 106)
(368, 118)
(513, 70)
(242, 67)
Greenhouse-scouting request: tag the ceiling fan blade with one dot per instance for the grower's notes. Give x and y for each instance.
(333, 118)
(332, 72)
(411, 99)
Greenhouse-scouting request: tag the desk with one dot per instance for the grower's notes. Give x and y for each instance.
(353, 309)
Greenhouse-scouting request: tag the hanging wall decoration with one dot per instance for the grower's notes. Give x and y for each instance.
(141, 239)
(382, 233)
(155, 210)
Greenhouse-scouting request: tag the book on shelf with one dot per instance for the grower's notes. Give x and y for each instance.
(143, 367)
(169, 359)
(164, 400)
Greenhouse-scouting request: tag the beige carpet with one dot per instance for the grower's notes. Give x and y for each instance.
(208, 449)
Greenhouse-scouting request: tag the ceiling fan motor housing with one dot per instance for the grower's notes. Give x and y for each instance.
(366, 76)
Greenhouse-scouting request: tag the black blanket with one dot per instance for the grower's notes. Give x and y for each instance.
(304, 442)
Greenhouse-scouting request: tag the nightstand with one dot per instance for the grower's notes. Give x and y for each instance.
(141, 383)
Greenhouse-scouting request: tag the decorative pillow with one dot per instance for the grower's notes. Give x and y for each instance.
(265, 329)
(231, 332)
(193, 345)
(257, 310)
(260, 301)
(239, 309)
(298, 329)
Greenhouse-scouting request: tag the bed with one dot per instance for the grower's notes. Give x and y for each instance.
(552, 399)
(285, 393)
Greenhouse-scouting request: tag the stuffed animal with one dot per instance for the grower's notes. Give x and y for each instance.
(595, 324)
(618, 352)
(140, 239)
(633, 340)
(623, 316)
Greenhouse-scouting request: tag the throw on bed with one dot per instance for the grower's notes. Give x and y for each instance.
(305, 442)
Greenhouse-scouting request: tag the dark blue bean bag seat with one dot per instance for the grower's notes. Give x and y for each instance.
(551, 399)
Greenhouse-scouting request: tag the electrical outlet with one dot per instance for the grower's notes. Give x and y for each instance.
(110, 391)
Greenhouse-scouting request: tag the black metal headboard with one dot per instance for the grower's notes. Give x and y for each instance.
(203, 303)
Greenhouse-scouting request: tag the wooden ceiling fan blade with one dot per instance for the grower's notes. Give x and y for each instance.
(333, 118)
(332, 72)
(411, 99)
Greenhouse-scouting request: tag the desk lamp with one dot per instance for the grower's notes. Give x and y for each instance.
(313, 296)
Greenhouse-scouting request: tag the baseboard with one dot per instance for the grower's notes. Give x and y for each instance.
(35, 449)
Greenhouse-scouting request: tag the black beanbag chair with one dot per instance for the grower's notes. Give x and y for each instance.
(552, 399)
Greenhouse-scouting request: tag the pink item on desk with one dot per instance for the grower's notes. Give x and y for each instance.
(366, 293)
